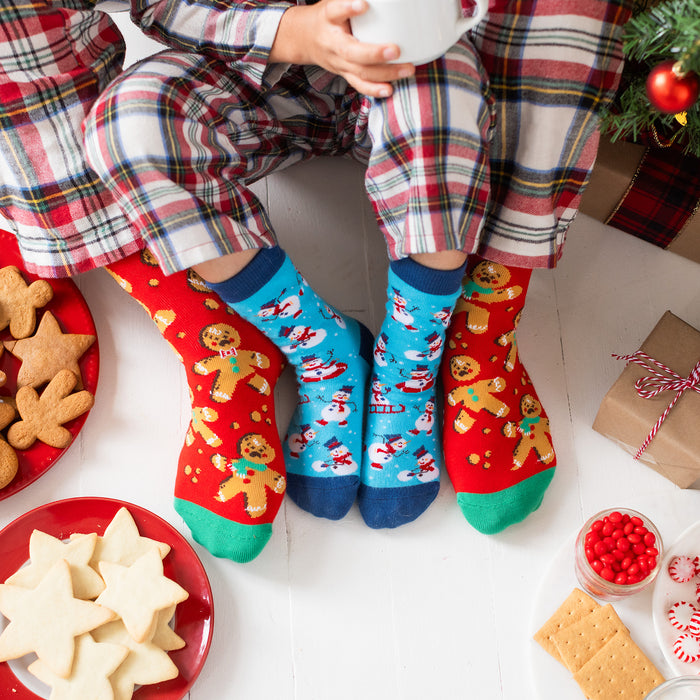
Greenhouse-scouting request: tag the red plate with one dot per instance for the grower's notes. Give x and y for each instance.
(194, 617)
(73, 315)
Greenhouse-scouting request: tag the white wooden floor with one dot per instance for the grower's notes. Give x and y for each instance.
(334, 610)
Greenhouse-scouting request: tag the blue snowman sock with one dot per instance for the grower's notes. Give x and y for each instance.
(402, 458)
(331, 355)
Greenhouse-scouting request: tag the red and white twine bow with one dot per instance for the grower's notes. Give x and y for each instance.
(662, 378)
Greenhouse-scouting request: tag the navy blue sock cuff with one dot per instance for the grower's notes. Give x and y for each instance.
(253, 277)
(426, 279)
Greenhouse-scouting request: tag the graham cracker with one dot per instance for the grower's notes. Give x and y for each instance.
(581, 640)
(620, 669)
(576, 606)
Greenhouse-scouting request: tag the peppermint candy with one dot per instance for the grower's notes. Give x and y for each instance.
(685, 616)
(687, 648)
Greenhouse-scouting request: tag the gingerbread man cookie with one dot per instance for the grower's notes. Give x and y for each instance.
(250, 475)
(231, 364)
(532, 432)
(488, 284)
(43, 416)
(19, 301)
(474, 396)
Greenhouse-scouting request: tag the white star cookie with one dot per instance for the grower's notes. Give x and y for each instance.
(94, 665)
(46, 619)
(122, 543)
(165, 636)
(138, 592)
(45, 551)
(145, 664)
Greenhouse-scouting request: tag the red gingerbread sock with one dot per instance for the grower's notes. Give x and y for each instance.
(496, 438)
(231, 476)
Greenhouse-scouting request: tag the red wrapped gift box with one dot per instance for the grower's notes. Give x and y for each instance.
(648, 191)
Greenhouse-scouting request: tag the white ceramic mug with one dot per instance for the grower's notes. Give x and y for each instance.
(423, 29)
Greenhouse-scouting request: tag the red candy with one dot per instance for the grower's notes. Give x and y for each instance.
(621, 549)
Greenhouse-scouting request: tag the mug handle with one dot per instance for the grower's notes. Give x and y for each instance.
(464, 24)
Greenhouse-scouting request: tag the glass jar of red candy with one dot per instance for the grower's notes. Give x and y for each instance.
(618, 553)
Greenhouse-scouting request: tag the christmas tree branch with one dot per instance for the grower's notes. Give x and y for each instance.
(665, 31)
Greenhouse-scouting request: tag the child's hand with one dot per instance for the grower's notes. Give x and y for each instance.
(320, 35)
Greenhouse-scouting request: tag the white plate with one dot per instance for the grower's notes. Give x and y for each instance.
(667, 592)
(551, 681)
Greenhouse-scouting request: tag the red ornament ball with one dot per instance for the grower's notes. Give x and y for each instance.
(670, 93)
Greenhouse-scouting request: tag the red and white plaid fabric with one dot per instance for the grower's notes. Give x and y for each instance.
(500, 141)
(55, 59)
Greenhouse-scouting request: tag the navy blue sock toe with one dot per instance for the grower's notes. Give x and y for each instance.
(393, 507)
(308, 493)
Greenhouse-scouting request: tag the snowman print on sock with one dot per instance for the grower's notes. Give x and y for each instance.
(382, 452)
(425, 470)
(339, 460)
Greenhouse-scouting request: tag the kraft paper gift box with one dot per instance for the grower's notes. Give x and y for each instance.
(627, 418)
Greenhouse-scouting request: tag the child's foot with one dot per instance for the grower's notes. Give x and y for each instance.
(330, 354)
(401, 463)
(497, 443)
(230, 479)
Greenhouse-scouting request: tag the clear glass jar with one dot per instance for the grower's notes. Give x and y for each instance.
(602, 585)
(681, 688)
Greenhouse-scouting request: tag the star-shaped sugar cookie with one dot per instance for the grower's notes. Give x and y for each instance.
(46, 619)
(122, 543)
(165, 636)
(45, 551)
(146, 664)
(138, 592)
(94, 665)
(47, 352)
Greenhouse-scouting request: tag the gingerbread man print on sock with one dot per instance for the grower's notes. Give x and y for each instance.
(251, 476)
(473, 395)
(231, 364)
(231, 369)
(507, 341)
(496, 439)
(203, 417)
(488, 283)
(532, 432)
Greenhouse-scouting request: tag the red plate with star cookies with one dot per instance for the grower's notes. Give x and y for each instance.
(71, 312)
(193, 621)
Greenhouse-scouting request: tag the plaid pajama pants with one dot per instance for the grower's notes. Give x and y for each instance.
(487, 149)
(55, 59)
